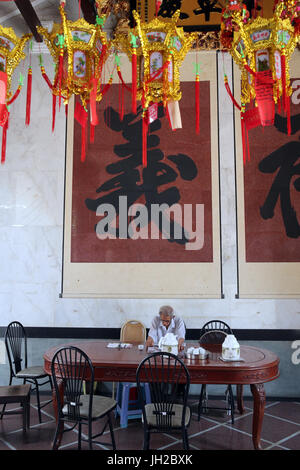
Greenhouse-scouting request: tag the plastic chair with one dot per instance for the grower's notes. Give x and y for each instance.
(128, 406)
(166, 413)
(215, 332)
(16, 348)
(69, 367)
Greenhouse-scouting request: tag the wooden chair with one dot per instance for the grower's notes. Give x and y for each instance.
(16, 394)
(215, 332)
(16, 348)
(69, 367)
(166, 413)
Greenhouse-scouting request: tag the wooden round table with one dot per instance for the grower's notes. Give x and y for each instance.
(257, 366)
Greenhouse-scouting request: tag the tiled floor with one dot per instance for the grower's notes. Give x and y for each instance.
(281, 430)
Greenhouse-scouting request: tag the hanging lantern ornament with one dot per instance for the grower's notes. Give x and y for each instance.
(262, 48)
(79, 50)
(156, 51)
(11, 54)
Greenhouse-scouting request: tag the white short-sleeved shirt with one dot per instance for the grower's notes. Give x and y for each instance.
(158, 330)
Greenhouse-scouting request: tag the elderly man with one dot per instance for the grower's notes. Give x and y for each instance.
(164, 323)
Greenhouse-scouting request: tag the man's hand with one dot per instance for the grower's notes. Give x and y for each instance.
(180, 344)
(149, 342)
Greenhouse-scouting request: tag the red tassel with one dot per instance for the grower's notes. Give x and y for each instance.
(93, 110)
(288, 115)
(28, 100)
(145, 138)
(230, 94)
(46, 78)
(122, 103)
(53, 111)
(157, 6)
(4, 138)
(168, 116)
(92, 133)
(197, 104)
(283, 81)
(15, 96)
(83, 139)
(81, 116)
(243, 141)
(134, 81)
(248, 146)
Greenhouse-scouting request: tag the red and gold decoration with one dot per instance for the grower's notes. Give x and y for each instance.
(156, 51)
(79, 50)
(262, 48)
(11, 54)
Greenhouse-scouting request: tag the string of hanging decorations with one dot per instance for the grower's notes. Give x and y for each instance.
(79, 50)
(262, 48)
(11, 54)
(156, 50)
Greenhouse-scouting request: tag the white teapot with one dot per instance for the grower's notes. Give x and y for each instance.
(230, 348)
(168, 343)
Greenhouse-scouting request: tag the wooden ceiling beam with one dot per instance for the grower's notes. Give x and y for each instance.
(30, 16)
(88, 11)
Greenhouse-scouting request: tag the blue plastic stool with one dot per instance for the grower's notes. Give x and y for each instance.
(124, 404)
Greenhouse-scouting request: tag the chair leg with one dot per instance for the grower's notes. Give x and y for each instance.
(38, 400)
(4, 406)
(79, 435)
(124, 406)
(28, 413)
(185, 439)
(111, 432)
(117, 393)
(231, 403)
(200, 401)
(57, 436)
(146, 439)
(24, 415)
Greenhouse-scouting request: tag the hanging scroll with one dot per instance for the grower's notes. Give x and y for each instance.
(148, 232)
(268, 202)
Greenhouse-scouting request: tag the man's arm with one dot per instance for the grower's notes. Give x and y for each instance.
(152, 335)
(149, 342)
(180, 332)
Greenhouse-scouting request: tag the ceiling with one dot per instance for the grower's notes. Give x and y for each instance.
(23, 15)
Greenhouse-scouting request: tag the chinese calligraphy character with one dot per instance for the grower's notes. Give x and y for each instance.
(131, 181)
(169, 7)
(283, 160)
(206, 8)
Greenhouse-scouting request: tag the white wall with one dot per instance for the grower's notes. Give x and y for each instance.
(31, 230)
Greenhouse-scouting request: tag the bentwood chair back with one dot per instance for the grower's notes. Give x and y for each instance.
(215, 332)
(70, 368)
(133, 331)
(216, 326)
(169, 383)
(16, 349)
